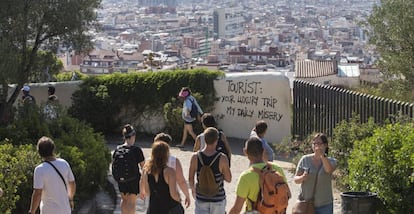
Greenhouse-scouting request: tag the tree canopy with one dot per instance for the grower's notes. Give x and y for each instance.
(391, 30)
(28, 26)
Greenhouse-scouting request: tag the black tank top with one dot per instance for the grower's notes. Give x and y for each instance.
(160, 198)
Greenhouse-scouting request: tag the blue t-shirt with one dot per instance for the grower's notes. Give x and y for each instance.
(266, 146)
(187, 108)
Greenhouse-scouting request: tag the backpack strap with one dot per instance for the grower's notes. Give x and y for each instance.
(201, 158)
(60, 175)
(215, 158)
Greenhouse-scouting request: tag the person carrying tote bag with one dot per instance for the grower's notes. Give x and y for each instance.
(314, 173)
(303, 206)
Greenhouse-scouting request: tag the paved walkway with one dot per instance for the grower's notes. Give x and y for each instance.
(239, 164)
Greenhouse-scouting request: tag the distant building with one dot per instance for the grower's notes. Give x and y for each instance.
(154, 3)
(328, 72)
(200, 46)
(274, 56)
(106, 61)
(159, 6)
(228, 22)
(98, 62)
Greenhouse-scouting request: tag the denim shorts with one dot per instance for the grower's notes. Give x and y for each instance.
(202, 207)
(324, 209)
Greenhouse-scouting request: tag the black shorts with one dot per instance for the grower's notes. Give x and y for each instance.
(191, 123)
(129, 187)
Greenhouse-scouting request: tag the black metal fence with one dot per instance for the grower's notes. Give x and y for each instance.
(319, 108)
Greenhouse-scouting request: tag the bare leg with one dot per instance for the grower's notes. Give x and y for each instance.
(128, 203)
(188, 128)
(184, 134)
(191, 131)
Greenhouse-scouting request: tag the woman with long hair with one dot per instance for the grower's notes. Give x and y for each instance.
(159, 182)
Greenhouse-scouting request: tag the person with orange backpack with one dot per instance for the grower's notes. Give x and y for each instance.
(263, 187)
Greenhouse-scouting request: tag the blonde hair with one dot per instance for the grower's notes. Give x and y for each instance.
(159, 158)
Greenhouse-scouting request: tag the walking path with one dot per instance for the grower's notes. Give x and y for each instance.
(238, 164)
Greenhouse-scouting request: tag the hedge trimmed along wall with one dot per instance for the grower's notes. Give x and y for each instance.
(241, 99)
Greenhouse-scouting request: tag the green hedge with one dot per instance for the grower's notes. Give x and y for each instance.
(16, 174)
(106, 101)
(76, 142)
(384, 163)
(342, 144)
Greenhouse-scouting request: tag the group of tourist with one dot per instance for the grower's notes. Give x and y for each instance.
(159, 178)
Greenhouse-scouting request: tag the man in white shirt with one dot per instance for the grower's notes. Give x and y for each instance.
(53, 182)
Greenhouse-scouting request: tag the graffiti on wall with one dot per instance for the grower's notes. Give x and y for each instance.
(246, 99)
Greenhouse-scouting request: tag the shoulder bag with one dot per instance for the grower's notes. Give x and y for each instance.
(60, 175)
(306, 206)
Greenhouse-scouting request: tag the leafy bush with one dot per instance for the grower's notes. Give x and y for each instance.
(109, 100)
(16, 175)
(384, 163)
(344, 136)
(300, 148)
(67, 76)
(75, 141)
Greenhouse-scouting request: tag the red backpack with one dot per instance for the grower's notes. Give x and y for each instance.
(274, 191)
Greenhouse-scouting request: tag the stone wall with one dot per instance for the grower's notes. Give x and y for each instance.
(64, 91)
(243, 99)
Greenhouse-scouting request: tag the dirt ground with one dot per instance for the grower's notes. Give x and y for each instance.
(239, 163)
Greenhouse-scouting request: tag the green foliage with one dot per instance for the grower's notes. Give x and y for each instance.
(27, 27)
(300, 148)
(392, 89)
(16, 170)
(172, 116)
(28, 125)
(106, 101)
(47, 65)
(67, 76)
(85, 150)
(390, 28)
(75, 141)
(384, 163)
(342, 144)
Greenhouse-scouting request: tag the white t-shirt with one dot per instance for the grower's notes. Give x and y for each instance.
(172, 162)
(54, 195)
(202, 141)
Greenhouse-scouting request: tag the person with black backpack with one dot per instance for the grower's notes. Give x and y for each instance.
(207, 120)
(190, 114)
(127, 158)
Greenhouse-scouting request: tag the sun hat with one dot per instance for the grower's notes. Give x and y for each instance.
(26, 88)
(183, 93)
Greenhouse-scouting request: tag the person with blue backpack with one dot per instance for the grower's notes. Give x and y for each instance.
(191, 112)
